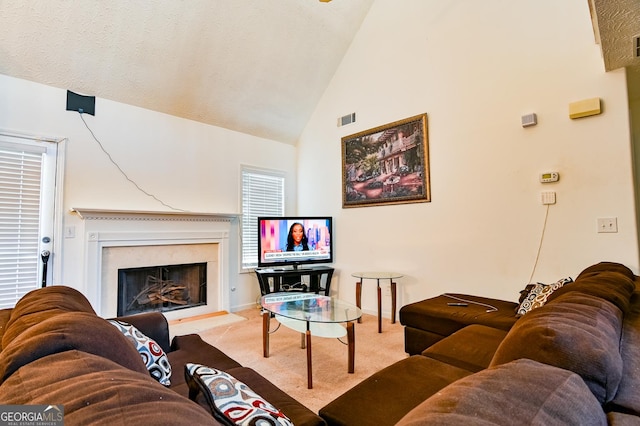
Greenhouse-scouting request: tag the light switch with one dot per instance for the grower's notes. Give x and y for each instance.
(70, 231)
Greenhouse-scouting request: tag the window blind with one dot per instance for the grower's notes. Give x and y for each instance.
(262, 195)
(20, 189)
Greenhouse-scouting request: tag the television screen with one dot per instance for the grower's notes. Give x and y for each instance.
(294, 241)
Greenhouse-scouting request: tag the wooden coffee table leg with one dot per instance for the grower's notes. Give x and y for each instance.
(266, 317)
(351, 339)
(309, 368)
(359, 297)
(393, 302)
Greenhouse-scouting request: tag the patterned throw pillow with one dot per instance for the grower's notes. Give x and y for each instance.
(152, 354)
(524, 293)
(538, 295)
(231, 401)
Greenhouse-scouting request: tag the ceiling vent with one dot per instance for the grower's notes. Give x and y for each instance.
(636, 47)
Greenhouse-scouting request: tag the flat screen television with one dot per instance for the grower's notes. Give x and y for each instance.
(294, 241)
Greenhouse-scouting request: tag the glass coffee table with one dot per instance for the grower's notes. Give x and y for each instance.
(311, 314)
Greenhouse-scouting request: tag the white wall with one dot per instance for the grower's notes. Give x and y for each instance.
(475, 68)
(188, 165)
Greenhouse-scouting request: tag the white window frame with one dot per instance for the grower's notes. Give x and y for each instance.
(52, 181)
(273, 204)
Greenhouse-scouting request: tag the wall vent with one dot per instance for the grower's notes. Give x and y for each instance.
(636, 46)
(347, 119)
(529, 120)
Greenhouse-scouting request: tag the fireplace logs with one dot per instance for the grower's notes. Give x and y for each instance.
(157, 291)
(161, 288)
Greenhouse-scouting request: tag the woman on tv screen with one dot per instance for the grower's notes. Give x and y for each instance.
(297, 239)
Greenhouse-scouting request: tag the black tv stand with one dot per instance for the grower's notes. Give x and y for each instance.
(273, 280)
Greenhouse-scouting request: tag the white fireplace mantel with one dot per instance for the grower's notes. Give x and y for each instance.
(105, 214)
(117, 228)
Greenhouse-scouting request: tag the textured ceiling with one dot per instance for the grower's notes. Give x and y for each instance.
(254, 66)
(616, 23)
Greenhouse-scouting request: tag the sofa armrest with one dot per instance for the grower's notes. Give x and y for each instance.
(153, 325)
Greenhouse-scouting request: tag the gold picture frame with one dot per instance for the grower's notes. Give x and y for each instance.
(387, 165)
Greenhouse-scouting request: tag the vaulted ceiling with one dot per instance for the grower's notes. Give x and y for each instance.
(254, 66)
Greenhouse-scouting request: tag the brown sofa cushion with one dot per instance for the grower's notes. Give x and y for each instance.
(627, 399)
(520, 392)
(436, 316)
(97, 391)
(386, 396)
(298, 413)
(231, 400)
(150, 351)
(608, 285)
(191, 348)
(621, 419)
(606, 267)
(38, 305)
(68, 331)
(5, 315)
(579, 332)
(153, 325)
(457, 349)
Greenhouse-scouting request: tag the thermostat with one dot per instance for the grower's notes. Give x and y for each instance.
(549, 177)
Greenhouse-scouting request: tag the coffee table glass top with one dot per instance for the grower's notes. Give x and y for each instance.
(310, 307)
(377, 275)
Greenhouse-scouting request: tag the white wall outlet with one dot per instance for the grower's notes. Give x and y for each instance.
(387, 290)
(607, 224)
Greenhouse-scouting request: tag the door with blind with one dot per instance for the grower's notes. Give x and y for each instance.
(28, 170)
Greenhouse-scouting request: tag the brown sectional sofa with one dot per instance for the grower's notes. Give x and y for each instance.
(573, 361)
(56, 350)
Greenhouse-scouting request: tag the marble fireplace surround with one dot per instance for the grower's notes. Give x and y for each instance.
(124, 239)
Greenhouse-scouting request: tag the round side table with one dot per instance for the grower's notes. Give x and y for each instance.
(377, 276)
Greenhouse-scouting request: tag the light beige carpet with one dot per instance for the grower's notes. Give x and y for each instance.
(188, 326)
(287, 365)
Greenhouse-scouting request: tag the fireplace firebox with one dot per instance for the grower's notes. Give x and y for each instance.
(161, 288)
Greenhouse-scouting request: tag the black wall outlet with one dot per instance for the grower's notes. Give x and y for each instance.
(81, 103)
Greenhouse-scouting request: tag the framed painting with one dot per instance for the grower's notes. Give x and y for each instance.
(387, 165)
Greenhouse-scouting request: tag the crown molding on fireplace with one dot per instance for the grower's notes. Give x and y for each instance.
(106, 214)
